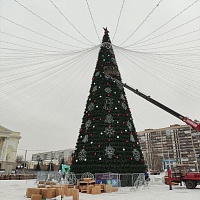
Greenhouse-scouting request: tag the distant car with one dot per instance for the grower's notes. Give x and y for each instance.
(154, 172)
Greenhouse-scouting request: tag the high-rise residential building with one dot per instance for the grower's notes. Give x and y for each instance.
(164, 147)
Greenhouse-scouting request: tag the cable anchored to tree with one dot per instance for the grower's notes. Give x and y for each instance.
(93, 20)
(49, 23)
(118, 20)
(142, 22)
(140, 41)
(69, 21)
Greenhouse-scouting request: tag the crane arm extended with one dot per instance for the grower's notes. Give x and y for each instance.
(188, 121)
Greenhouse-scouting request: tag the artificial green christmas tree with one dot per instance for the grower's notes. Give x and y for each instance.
(107, 140)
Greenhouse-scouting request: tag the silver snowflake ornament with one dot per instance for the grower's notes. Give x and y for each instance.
(109, 119)
(119, 85)
(94, 89)
(97, 73)
(87, 124)
(132, 139)
(136, 154)
(85, 139)
(124, 106)
(82, 155)
(113, 61)
(110, 151)
(108, 90)
(108, 104)
(122, 97)
(129, 125)
(91, 106)
(109, 131)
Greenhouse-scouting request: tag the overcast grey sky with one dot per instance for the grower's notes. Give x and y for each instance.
(46, 63)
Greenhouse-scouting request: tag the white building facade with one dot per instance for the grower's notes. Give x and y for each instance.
(9, 141)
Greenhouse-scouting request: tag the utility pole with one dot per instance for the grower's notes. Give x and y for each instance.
(169, 161)
(24, 161)
(50, 162)
(25, 158)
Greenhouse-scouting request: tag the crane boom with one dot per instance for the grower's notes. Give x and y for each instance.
(188, 121)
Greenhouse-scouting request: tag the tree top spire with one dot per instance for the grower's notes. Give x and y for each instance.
(106, 30)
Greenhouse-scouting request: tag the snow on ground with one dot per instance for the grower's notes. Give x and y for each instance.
(156, 190)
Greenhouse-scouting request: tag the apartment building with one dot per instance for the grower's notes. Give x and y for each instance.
(54, 156)
(164, 147)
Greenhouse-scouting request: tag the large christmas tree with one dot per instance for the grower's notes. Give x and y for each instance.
(107, 140)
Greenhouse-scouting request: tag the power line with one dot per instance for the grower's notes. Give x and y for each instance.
(69, 21)
(141, 23)
(118, 20)
(49, 23)
(139, 41)
(92, 20)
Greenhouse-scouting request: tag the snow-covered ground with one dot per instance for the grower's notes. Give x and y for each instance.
(156, 190)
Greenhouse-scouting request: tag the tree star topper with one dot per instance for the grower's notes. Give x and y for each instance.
(106, 30)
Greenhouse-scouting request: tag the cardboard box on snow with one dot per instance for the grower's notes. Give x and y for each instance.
(36, 197)
(87, 179)
(89, 189)
(41, 186)
(60, 191)
(48, 193)
(108, 188)
(114, 189)
(98, 186)
(52, 183)
(72, 191)
(67, 192)
(76, 194)
(30, 191)
(69, 185)
(96, 191)
(101, 185)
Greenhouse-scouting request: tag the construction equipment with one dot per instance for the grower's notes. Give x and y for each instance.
(182, 173)
(188, 121)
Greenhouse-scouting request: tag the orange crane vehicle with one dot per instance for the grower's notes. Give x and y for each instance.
(180, 173)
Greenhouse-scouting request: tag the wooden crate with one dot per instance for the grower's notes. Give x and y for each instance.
(36, 197)
(30, 191)
(76, 194)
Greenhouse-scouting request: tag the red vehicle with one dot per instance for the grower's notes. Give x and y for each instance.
(182, 174)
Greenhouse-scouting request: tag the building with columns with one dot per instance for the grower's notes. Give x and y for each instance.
(8, 149)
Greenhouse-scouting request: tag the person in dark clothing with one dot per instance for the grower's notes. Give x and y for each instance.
(146, 176)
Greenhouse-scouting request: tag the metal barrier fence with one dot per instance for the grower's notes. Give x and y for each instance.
(48, 176)
(122, 180)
